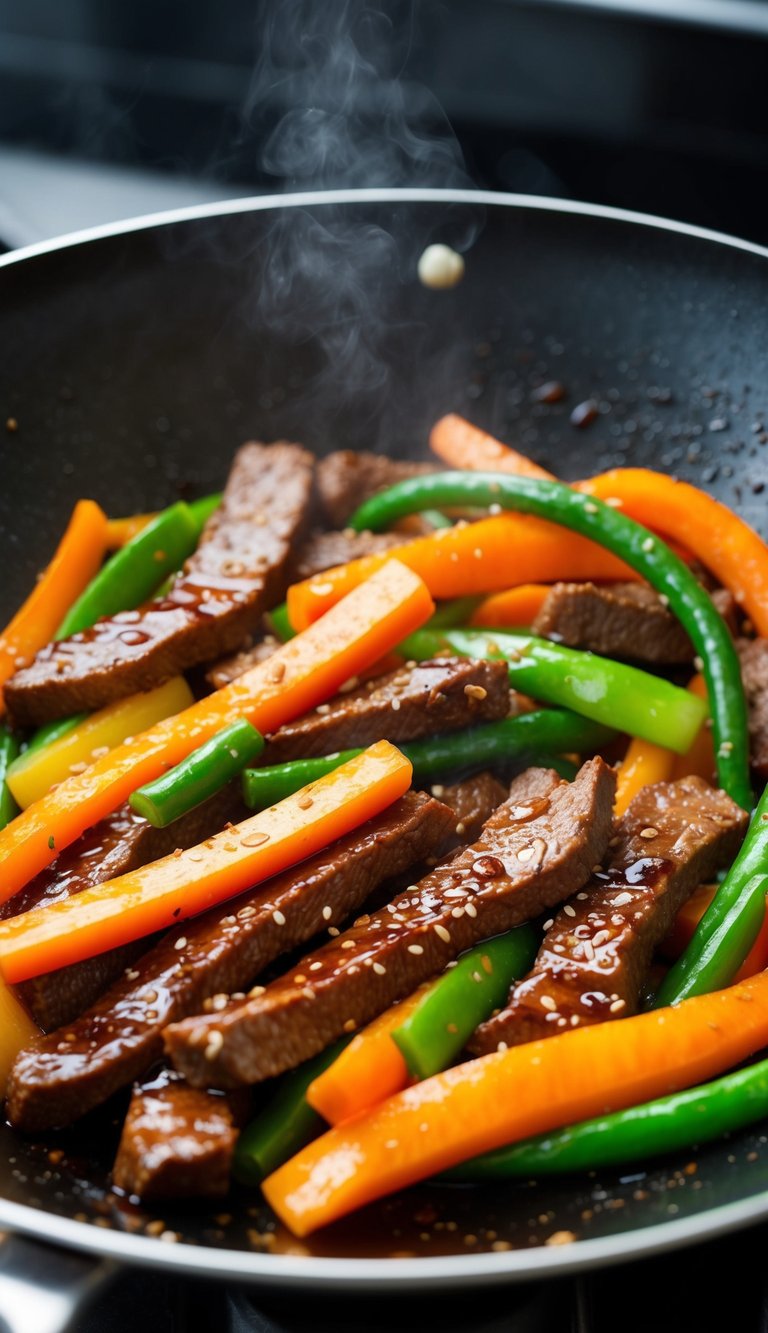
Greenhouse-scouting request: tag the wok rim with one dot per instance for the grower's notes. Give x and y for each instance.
(365, 1274)
(378, 195)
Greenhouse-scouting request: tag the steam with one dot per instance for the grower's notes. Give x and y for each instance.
(329, 76)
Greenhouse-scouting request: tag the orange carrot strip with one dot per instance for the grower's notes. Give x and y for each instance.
(297, 677)
(369, 1069)
(688, 918)
(488, 556)
(699, 761)
(460, 444)
(516, 606)
(168, 891)
(120, 531)
(643, 764)
(512, 1094)
(718, 537)
(77, 558)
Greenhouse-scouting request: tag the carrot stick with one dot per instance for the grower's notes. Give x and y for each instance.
(493, 554)
(512, 1094)
(168, 891)
(699, 761)
(710, 530)
(643, 764)
(77, 558)
(688, 918)
(460, 444)
(517, 606)
(298, 676)
(369, 1069)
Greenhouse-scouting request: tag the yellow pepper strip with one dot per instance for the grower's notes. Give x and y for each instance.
(120, 531)
(643, 764)
(16, 1031)
(32, 775)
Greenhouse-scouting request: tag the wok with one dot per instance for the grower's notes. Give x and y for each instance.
(136, 358)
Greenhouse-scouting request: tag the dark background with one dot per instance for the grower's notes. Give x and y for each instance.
(658, 105)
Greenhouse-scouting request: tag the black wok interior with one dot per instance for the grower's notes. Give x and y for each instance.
(135, 364)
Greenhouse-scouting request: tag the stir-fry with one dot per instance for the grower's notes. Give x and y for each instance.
(430, 799)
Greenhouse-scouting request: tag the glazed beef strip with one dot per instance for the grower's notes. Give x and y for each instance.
(753, 654)
(238, 571)
(177, 1142)
(536, 849)
(227, 669)
(419, 700)
(596, 955)
(116, 845)
(619, 620)
(324, 550)
(347, 477)
(62, 1076)
(472, 801)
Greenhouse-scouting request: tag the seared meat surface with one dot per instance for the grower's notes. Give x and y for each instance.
(536, 849)
(238, 571)
(596, 955)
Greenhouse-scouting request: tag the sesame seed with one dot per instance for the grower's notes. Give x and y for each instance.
(588, 950)
(502, 1046)
(327, 913)
(308, 993)
(277, 673)
(215, 1043)
(350, 1025)
(395, 705)
(461, 830)
(256, 991)
(601, 937)
(219, 1001)
(348, 944)
(334, 931)
(278, 918)
(470, 909)
(379, 969)
(622, 899)
(457, 912)
(582, 896)
(548, 1003)
(438, 789)
(549, 924)
(305, 802)
(323, 709)
(254, 839)
(525, 854)
(475, 692)
(299, 979)
(569, 911)
(181, 942)
(590, 507)
(443, 933)
(415, 948)
(617, 1006)
(649, 833)
(648, 544)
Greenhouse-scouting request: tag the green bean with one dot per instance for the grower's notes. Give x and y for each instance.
(204, 772)
(609, 692)
(462, 998)
(645, 552)
(512, 740)
(9, 750)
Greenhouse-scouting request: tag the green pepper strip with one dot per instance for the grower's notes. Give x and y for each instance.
(634, 544)
(597, 687)
(202, 509)
(133, 573)
(285, 1124)
(280, 624)
(9, 750)
(680, 1120)
(199, 776)
(465, 995)
(714, 956)
(514, 739)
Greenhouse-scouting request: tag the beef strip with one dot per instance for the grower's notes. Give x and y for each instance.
(177, 1142)
(535, 850)
(420, 700)
(620, 620)
(62, 1076)
(238, 571)
(116, 845)
(348, 477)
(324, 550)
(472, 801)
(594, 958)
(227, 669)
(753, 654)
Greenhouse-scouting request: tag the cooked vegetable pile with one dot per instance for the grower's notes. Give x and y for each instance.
(482, 751)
